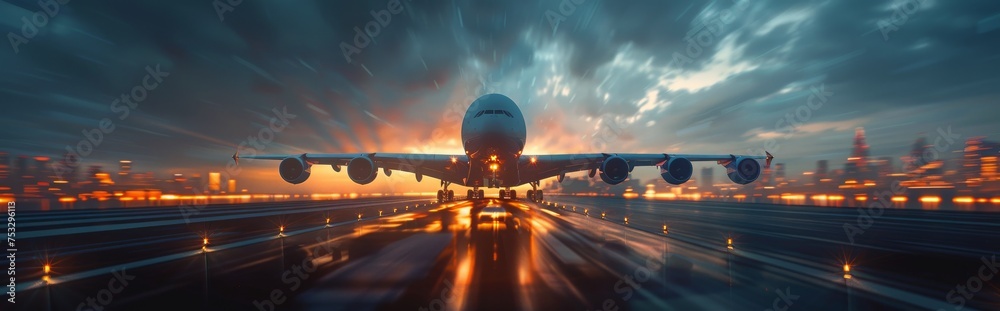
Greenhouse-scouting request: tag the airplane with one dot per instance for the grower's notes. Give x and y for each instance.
(493, 137)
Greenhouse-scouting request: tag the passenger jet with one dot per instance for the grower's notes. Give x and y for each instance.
(493, 136)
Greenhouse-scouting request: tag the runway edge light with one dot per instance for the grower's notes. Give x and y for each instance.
(45, 277)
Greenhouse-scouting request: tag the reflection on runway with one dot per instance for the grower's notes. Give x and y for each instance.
(471, 255)
(489, 254)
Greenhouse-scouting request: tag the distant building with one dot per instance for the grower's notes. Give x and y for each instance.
(68, 167)
(857, 167)
(125, 172)
(822, 171)
(92, 181)
(916, 159)
(707, 179)
(44, 177)
(766, 178)
(142, 180)
(980, 162)
(884, 166)
(924, 160)
(214, 182)
(43, 172)
(576, 185)
(5, 180)
(178, 183)
(195, 184)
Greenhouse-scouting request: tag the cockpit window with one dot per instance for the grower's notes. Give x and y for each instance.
(503, 112)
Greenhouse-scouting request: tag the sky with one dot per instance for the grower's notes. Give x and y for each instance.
(794, 77)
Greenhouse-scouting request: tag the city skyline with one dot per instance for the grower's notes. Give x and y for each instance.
(974, 172)
(125, 166)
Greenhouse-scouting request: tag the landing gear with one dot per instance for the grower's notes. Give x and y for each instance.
(508, 194)
(474, 193)
(534, 194)
(482, 194)
(445, 195)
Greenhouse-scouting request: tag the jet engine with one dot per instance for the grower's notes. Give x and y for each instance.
(294, 170)
(362, 170)
(614, 170)
(743, 170)
(676, 171)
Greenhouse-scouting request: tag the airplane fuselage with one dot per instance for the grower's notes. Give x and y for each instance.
(493, 136)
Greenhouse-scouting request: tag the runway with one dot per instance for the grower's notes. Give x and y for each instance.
(408, 253)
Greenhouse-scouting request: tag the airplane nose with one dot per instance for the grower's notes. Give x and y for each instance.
(493, 143)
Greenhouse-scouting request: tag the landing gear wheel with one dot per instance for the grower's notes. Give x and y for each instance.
(482, 194)
(451, 195)
(503, 194)
(440, 196)
(513, 194)
(531, 195)
(468, 194)
(538, 196)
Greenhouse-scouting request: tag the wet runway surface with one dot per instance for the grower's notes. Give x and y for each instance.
(508, 255)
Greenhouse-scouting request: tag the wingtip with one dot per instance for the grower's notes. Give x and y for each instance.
(236, 157)
(769, 158)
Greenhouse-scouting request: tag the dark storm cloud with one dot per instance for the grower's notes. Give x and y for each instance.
(616, 59)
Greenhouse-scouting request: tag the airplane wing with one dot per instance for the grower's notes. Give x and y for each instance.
(615, 168)
(295, 168)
